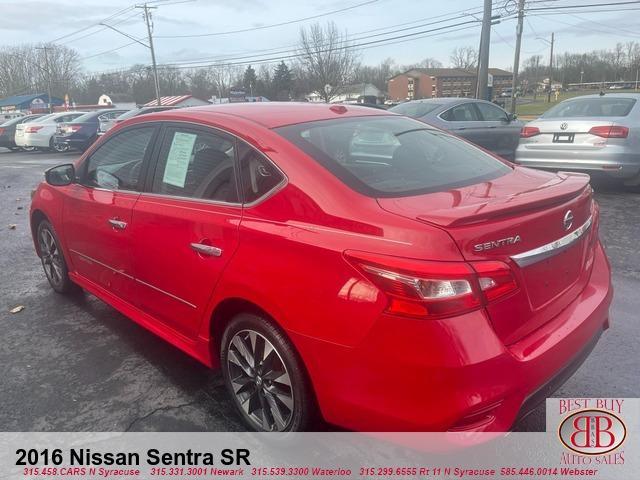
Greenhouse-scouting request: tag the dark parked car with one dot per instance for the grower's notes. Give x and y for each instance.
(8, 131)
(83, 131)
(107, 124)
(480, 122)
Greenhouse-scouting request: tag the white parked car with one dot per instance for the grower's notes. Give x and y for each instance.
(39, 134)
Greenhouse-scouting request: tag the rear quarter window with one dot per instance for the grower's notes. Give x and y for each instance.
(393, 156)
(415, 110)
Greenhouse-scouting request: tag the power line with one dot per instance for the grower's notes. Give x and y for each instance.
(274, 60)
(84, 29)
(563, 7)
(294, 47)
(354, 38)
(263, 27)
(135, 14)
(459, 14)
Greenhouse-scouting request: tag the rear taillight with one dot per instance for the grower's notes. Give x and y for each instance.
(527, 132)
(1, 131)
(610, 131)
(32, 129)
(73, 128)
(495, 279)
(434, 289)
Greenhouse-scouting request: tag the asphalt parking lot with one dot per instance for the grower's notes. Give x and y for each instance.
(75, 364)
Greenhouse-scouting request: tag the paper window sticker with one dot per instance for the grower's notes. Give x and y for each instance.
(175, 171)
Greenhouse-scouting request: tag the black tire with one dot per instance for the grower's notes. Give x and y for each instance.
(53, 261)
(55, 147)
(268, 386)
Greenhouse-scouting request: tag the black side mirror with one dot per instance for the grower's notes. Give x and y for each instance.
(61, 175)
(511, 117)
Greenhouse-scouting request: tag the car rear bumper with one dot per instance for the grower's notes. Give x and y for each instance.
(78, 143)
(619, 164)
(35, 140)
(453, 374)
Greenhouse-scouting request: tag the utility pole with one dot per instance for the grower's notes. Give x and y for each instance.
(550, 70)
(516, 57)
(485, 40)
(147, 19)
(46, 64)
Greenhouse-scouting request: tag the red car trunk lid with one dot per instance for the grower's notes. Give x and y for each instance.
(524, 218)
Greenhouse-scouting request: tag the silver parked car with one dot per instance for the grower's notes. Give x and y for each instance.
(593, 133)
(480, 122)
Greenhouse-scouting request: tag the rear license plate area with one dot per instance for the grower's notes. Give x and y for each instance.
(549, 278)
(563, 137)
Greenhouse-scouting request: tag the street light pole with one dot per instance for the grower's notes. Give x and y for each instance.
(550, 70)
(516, 57)
(485, 40)
(147, 19)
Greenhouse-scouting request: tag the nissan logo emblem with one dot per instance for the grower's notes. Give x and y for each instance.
(568, 220)
(564, 126)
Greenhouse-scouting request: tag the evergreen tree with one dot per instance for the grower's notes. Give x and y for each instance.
(249, 80)
(282, 82)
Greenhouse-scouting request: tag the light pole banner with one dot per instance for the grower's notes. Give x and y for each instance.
(592, 438)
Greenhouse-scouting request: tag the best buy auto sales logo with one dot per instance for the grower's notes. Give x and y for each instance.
(592, 432)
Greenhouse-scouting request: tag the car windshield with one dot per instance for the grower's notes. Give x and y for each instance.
(592, 107)
(415, 109)
(393, 156)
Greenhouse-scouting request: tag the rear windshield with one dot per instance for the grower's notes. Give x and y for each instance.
(415, 109)
(129, 114)
(592, 107)
(86, 117)
(393, 156)
(11, 121)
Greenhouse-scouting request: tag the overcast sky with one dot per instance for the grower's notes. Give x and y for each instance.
(32, 21)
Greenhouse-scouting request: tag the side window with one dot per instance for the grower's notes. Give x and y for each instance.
(258, 176)
(117, 163)
(461, 113)
(197, 164)
(491, 113)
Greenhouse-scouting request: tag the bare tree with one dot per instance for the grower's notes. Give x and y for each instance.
(326, 58)
(25, 69)
(464, 57)
(377, 75)
(224, 77)
(429, 63)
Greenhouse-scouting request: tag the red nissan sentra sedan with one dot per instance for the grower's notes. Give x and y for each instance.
(336, 260)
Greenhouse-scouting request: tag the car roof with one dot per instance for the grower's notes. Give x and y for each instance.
(276, 114)
(635, 96)
(444, 100)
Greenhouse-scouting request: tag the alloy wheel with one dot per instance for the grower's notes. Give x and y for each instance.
(260, 381)
(51, 257)
(60, 148)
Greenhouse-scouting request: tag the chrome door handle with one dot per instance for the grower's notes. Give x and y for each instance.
(119, 224)
(208, 250)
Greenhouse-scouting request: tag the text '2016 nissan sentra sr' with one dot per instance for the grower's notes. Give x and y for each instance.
(333, 261)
